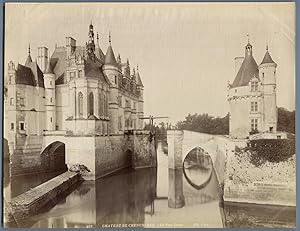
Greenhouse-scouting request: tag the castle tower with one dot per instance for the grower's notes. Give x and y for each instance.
(111, 70)
(245, 104)
(49, 82)
(267, 74)
(140, 109)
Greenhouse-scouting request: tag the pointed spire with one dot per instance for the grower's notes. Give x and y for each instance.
(110, 56)
(99, 53)
(29, 59)
(109, 38)
(267, 58)
(138, 77)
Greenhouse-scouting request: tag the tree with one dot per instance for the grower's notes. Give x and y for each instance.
(205, 123)
(286, 120)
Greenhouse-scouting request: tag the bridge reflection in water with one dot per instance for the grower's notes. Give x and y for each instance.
(148, 197)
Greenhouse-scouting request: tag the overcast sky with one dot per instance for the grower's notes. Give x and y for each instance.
(185, 52)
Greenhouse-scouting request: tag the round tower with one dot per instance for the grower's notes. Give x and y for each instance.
(49, 82)
(267, 75)
(112, 72)
(140, 109)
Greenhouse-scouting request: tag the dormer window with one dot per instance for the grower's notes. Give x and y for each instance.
(254, 86)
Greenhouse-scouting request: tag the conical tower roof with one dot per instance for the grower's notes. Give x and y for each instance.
(247, 70)
(110, 56)
(267, 58)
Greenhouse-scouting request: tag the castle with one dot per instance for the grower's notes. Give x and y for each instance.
(76, 92)
(252, 97)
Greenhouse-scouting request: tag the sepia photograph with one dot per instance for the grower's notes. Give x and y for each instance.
(149, 115)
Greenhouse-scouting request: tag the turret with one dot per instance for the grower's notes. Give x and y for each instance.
(267, 74)
(140, 88)
(112, 72)
(49, 82)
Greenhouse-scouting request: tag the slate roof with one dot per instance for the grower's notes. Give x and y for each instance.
(59, 65)
(99, 54)
(110, 57)
(24, 76)
(139, 80)
(267, 58)
(247, 70)
(30, 74)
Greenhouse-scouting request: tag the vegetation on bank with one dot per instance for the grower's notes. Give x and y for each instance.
(267, 150)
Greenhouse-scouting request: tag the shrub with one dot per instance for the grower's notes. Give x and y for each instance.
(271, 150)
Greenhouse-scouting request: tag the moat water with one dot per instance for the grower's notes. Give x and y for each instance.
(146, 198)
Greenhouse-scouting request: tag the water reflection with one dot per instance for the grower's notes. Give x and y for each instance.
(154, 197)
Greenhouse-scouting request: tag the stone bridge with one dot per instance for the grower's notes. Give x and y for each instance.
(181, 142)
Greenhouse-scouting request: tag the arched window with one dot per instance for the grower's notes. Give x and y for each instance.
(100, 104)
(80, 104)
(103, 104)
(106, 105)
(91, 104)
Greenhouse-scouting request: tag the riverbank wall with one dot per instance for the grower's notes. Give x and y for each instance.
(32, 201)
(267, 184)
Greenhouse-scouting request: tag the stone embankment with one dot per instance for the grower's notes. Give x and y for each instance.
(30, 202)
(269, 184)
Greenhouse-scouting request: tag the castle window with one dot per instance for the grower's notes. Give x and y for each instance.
(254, 86)
(115, 79)
(12, 126)
(22, 126)
(72, 75)
(50, 83)
(254, 106)
(10, 79)
(51, 119)
(80, 104)
(134, 105)
(50, 100)
(127, 103)
(91, 104)
(22, 101)
(254, 124)
(11, 101)
(80, 73)
(120, 123)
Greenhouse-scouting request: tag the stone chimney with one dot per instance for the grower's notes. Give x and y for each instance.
(42, 58)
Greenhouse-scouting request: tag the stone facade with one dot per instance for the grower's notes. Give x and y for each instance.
(252, 96)
(76, 94)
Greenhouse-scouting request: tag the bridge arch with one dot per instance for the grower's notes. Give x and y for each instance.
(53, 157)
(198, 160)
(182, 142)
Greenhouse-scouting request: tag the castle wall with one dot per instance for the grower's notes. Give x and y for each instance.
(239, 124)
